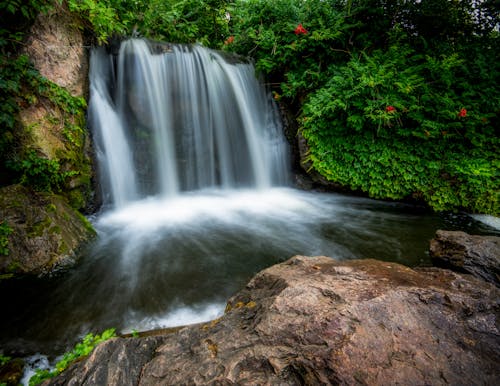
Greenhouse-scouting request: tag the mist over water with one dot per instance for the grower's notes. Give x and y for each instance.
(194, 176)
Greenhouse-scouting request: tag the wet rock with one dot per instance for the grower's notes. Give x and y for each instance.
(45, 231)
(314, 320)
(11, 372)
(461, 252)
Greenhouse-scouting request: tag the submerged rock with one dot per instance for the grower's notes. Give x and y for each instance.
(314, 320)
(476, 255)
(45, 231)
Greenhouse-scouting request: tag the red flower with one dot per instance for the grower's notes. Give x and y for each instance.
(229, 40)
(462, 113)
(390, 109)
(300, 30)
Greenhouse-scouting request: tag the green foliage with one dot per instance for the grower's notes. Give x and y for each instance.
(5, 231)
(81, 350)
(101, 17)
(399, 123)
(20, 87)
(17, 16)
(392, 101)
(180, 21)
(397, 99)
(4, 359)
(40, 173)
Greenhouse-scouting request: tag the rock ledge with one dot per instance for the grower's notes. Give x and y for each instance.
(314, 320)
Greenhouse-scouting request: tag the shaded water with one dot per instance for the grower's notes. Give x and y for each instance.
(166, 262)
(194, 180)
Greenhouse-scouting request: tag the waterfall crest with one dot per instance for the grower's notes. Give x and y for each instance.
(169, 119)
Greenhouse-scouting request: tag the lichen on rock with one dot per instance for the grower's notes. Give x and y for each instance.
(46, 231)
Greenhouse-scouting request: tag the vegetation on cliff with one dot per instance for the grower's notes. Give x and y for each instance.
(43, 137)
(396, 99)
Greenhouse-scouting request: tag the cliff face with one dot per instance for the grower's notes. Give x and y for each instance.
(56, 47)
(55, 125)
(41, 230)
(317, 321)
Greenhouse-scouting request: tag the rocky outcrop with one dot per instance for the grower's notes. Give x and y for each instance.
(314, 320)
(45, 232)
(56, 47)
(476, 255)
(39, 231)
(53, 121)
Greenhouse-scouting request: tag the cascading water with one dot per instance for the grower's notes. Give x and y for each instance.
(193, 168)
(169, 119)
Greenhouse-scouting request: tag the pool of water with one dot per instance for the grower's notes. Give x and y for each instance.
(159, 263)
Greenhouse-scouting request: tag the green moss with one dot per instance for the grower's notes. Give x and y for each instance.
(76, 199)
(51, 208)
(39, 228)
(55, 230)
(14, 267)
(63, 249)
(88, 226)
(5, 231)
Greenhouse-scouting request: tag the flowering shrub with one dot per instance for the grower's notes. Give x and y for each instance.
(300, 30)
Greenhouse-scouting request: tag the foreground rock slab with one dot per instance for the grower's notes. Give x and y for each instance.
(314, 320)
(461, 252)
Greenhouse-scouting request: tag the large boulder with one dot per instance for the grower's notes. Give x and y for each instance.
(44, 231)
(476, 255)
(314, 320)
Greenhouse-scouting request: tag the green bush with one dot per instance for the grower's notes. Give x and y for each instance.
(386, 108)
(40, 173)
(398, 123)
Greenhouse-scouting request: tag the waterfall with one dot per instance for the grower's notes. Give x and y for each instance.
(173, 118)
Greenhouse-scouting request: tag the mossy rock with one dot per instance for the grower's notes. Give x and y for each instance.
(46, 231)
(12, 372)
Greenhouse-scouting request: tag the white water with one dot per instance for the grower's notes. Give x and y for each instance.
(171, 119)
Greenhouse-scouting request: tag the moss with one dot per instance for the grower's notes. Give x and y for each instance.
(63, 249)
(38, 229)
(6, 276)
(86, 223)
(212, 324)
(212, 347)
(230, 307)
(76, 199)
(51, 208)
(14, 267)
(55, 229)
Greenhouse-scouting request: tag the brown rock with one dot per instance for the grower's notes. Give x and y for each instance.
(314, 320)
(11, 372)
(461, 252)
(46, 231)
(55, 45)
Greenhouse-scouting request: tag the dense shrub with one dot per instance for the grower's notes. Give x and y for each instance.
(392, 101)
